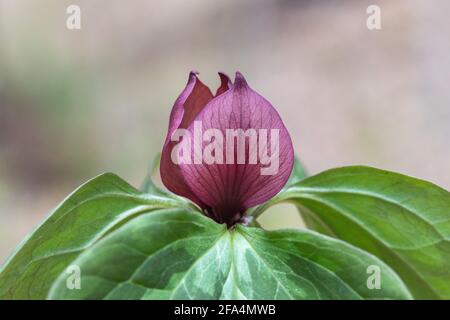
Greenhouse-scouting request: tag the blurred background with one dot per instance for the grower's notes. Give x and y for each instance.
(76, 103)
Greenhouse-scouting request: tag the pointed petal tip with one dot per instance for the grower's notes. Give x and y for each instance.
(224, 78)
(193, 75)
(225, 83)
(239, 80)
(194, 79)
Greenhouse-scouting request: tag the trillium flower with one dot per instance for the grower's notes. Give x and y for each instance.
(226, 152)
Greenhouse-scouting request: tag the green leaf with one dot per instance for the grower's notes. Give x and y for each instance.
(402, 220)
(88, 214)
(176, 254)
(298, 173)
(148, 186)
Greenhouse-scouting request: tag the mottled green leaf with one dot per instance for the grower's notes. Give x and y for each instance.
(175, 254)
(402, 220)
(89, 213)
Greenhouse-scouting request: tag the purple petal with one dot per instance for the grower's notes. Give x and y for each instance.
(187, 106)
(227, 190)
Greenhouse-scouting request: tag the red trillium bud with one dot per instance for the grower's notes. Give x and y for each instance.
(227, 152)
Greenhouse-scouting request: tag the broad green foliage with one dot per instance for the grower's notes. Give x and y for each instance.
(153, 245)
(402, 220)
(90, 212)
(175, 254)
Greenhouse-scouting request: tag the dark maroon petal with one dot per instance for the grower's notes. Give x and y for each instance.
(225, 84)
(229, 189)
(187, 106)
